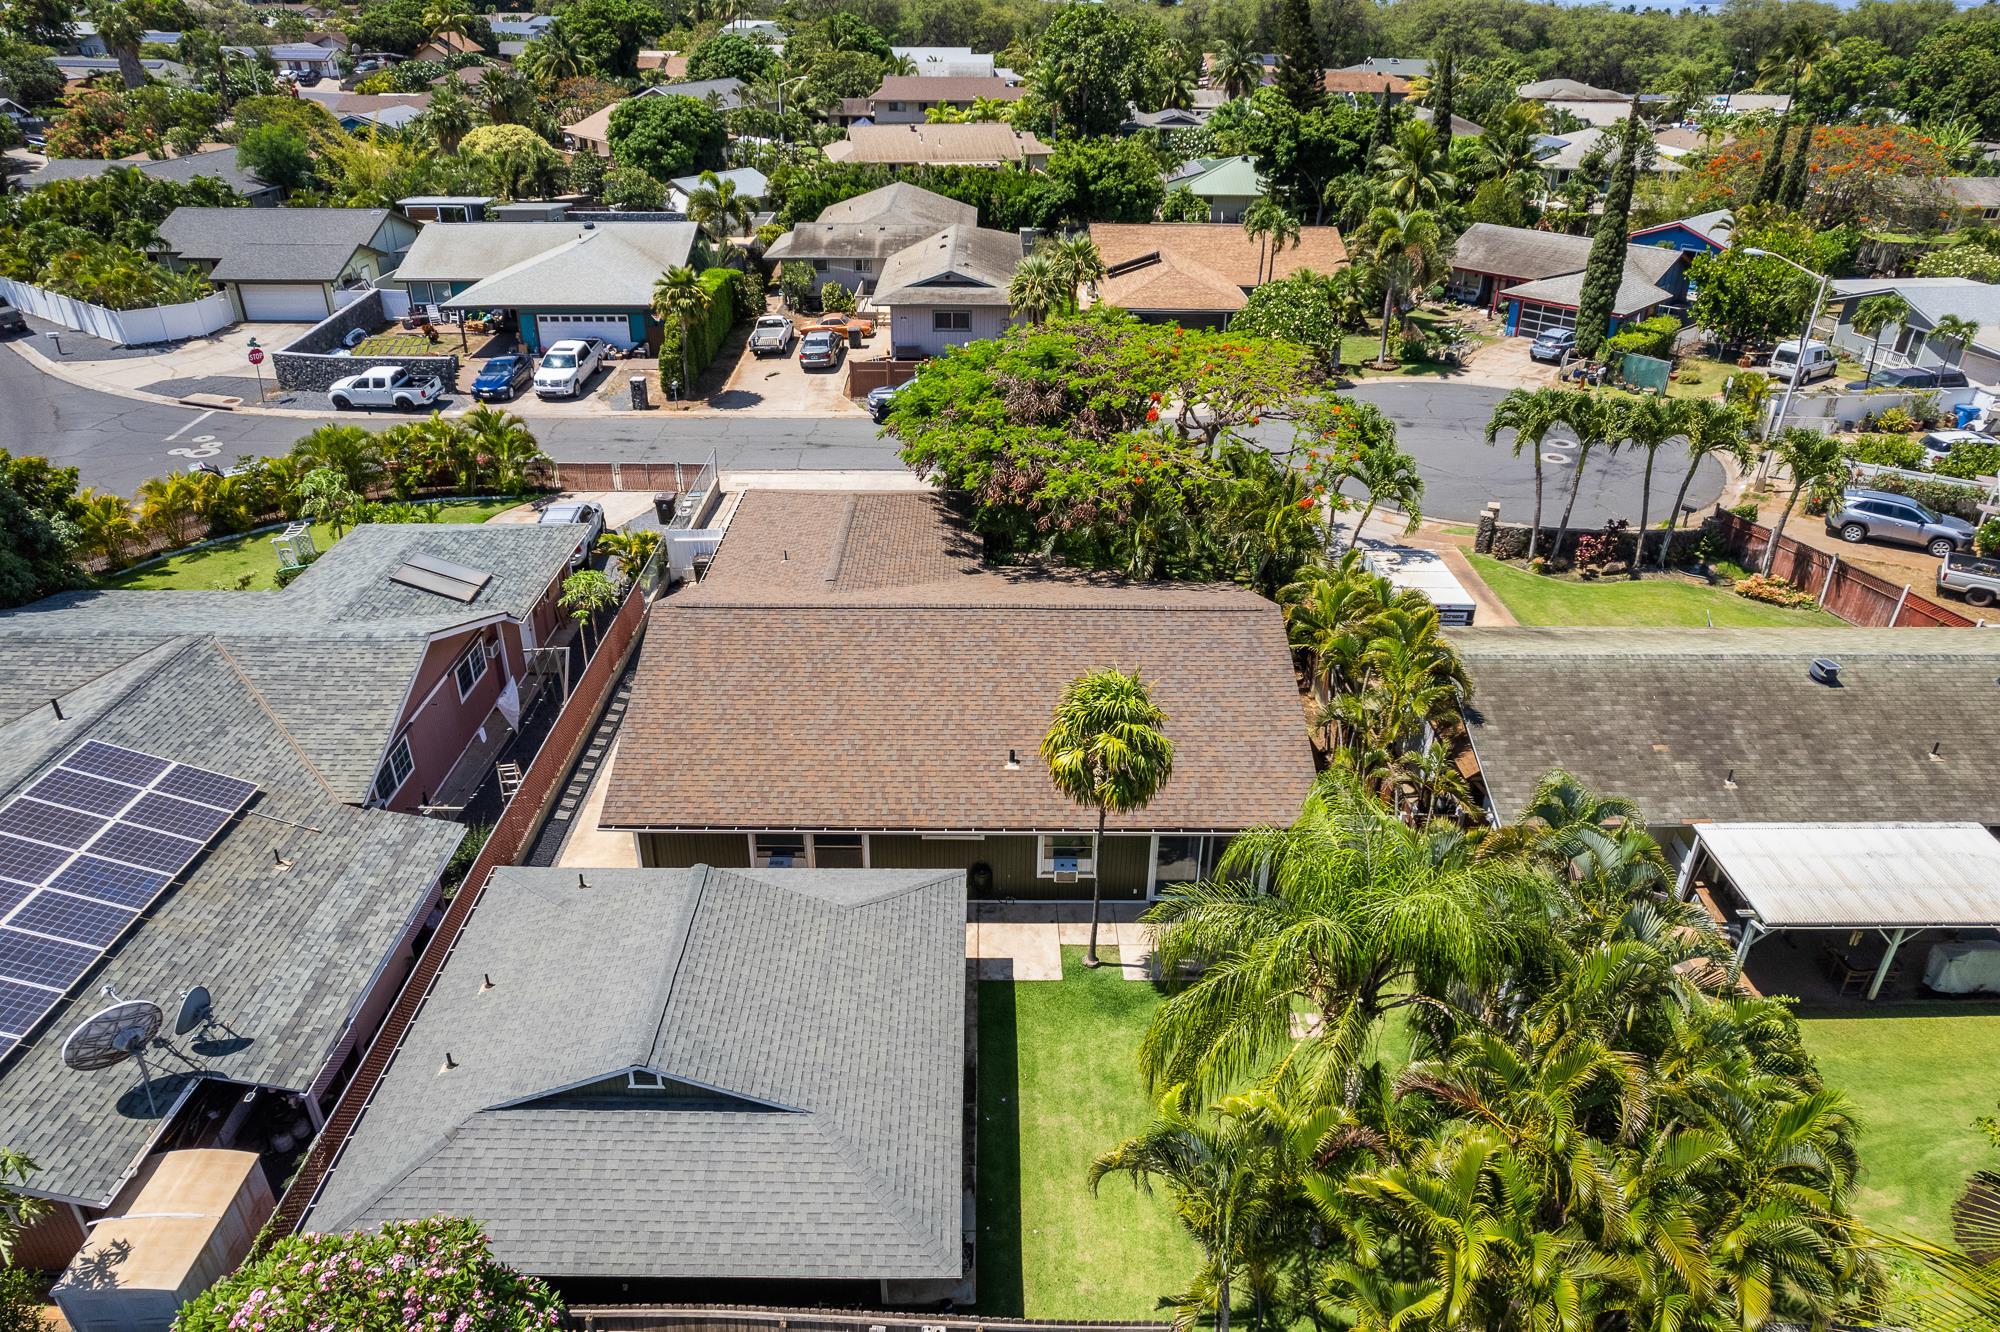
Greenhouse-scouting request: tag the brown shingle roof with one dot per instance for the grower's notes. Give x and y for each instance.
(849, 663)
(944, 88)
(1167, 281)
(978, 144)
(1222, 247)
(1366, 82)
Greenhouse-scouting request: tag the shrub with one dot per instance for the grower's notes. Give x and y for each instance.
(1945, 496)
(1775, 591)
(437, 1272)
(1968, 459)
(1649, 337)
(1888, 451)
(1986, 540)
(795, 279)
(1896, 420)
(706, 334)
(833, 296)
(1747, 510)
(749, 291)
(768, 234)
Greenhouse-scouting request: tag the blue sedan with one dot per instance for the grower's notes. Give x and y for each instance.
(503, 377)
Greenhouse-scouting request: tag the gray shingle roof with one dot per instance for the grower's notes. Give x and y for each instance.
(1635, 294)
(814, 1126)
(963, 265)
(604, 264)
(333, 654)
(219, 163)
(1664, 716)
(287, 952)
(1528, 255)
(902, 204)
(272, 244)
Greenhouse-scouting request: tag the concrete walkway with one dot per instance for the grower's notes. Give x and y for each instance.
(589, 846)
(1024, 941)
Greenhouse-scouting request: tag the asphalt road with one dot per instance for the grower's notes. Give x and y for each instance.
(117, 442)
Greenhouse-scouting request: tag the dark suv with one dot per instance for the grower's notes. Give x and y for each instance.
(11, 321)
(1913, 377)
(1886, 516)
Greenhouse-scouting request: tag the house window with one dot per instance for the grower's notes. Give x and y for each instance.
(1186, 859)
(779, 851)
(1065, 857)
(471, 669)
(820, 265)
(644, 1079)
(863, 265)
(396, 770)
(951, 321)
(837, 851)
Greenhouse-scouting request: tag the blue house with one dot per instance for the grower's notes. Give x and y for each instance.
(1534, 279)
(1704, 233)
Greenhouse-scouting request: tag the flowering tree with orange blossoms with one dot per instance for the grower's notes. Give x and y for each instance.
(1862, 175)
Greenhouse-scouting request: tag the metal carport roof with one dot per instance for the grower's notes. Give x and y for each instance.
(1824, 876)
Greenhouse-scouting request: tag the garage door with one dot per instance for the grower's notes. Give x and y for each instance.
(1535, 318)
(615, 329)
(284, 302)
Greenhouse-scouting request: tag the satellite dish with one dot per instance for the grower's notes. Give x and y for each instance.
(112, 1035)
(195, 1011)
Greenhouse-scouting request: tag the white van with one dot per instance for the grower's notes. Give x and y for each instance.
(1819, 362)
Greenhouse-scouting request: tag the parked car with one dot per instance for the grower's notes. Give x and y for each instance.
(11, 320)
(880, 400)
(568, 366)
(1552, 344)
(821, 350)
(384, 386)
(773, 336)
(590, 515)
(841, 323)
(1938, 442)
(1816, 363)
(1912, 377)
(503, 378)
(1974, 577)
(1885, 516)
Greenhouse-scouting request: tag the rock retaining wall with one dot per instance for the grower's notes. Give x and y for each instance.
(1509, 541)
(309, 365)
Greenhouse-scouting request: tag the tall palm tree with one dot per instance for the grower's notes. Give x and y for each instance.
(1810, 457)
(1079, 265)
(1649, 424)
(1107, 747)
(1414, 168)
(1710, 427)
(680, 296)
(1531, 414)
(1235, 68)
(585, 594)
(1597, 422)
(1874, 314)
(1792, 59)
(121, 26)
(553, 56)
(1956, 331)
(715, 206)
(1037, 289)
(1404, 247)
(1387, 473)
(447, 18)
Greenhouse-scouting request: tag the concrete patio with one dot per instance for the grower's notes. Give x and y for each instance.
(1024, 940)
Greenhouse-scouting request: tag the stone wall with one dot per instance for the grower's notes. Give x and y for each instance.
(307, 365)
(1509, 541)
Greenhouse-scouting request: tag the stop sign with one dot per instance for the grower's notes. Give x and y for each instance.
(256, 356)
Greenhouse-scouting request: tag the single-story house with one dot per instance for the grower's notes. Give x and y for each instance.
(560, 279)
(908, 99)
(21, 117)
(924, 684)
(1355, 85)
(86, 41)
(305, 58)
(949, 289)
(445, 45)
(525, 27)
(988, 143)
(330, 709)
(1167, 118)
(1751, 103)
(445, 207)
(1197, 274)
(1678, 141)
(1537, 277)
(950, 62)
(1229, 185)
(1976, 196)
(1402, 67)
(593, 132)
(1569, 151)
(1704, 233)
(289, 265)
(678, 1111)
(768, 31)
(82, 69)
(216, 163)
(1593, 106)
(852, 239)
(389, 111)
(751, 185)
(1913, 342)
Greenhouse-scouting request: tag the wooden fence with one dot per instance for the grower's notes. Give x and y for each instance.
(510, 839)
(1853, 594)
(627, 476)
(749, 1318)
(863, 377)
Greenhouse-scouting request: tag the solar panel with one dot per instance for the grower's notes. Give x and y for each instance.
(83, 851)
(427, 573)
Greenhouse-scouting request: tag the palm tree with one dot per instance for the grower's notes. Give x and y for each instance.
(1791, 60)
(1874, 314)
(121, 26)
(1810, 457)
(348, 450)
(552, 57)
(1710, 427)
(448, 118)
(1531, 414)
(679, 295)
(714, 204)
(1079, 264)
(631, 547)
(104, 525)
(1597, 422)
(1271, 225)
(1036, 289)
(170, 505)
(1404, 247)
(1235, 68)
(503, 446)
(1386, 472)
(1414, 167)
(1956, 331)
(443, 18)
(584, 594)
(1107, 748)
(1217, 1171)
(1649, 424)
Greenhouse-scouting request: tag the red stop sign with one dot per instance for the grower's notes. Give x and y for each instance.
(256, 356)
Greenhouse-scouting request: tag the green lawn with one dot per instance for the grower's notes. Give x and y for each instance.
(250, 563)
(1540, 600)
(397, 343)
(1920, 1077)
(1058, 1083)
(1360, 349)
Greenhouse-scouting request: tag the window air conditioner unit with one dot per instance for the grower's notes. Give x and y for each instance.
(492, 649)
(1065, 876)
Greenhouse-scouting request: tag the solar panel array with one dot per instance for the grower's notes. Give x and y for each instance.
(83, 851)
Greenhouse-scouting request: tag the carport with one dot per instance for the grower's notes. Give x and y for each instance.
(1895, 880)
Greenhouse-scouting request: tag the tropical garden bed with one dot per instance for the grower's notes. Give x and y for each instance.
(1671, 599)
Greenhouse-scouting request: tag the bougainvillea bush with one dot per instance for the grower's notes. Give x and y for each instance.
(438, 1273)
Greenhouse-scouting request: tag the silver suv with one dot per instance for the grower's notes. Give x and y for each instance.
(1885, 516)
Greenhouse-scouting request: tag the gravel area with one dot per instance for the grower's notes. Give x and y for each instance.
(83, 347)
(240, 386)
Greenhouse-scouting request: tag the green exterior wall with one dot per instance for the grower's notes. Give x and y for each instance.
(679, 850)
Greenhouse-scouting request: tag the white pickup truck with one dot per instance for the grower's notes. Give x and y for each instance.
(568, 366)
(773, 336)
(384, 386)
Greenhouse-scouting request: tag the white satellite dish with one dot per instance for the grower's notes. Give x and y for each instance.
(112, 1035)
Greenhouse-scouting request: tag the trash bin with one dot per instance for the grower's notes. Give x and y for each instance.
(664, 502)
(1968, 412)
(638, 383)
(854, 336)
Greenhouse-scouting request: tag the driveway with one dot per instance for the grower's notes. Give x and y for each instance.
(780, 386)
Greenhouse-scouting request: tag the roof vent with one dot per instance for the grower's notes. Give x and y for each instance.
(1827, 671)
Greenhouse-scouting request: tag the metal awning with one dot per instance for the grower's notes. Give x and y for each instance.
(1846, 876)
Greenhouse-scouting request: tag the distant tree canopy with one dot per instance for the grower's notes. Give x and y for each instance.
(666, 136)
(727, 55)
(38, 529)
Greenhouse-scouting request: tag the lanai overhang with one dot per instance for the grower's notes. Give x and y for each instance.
(1896, 879)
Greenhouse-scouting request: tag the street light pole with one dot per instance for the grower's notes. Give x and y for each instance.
(1799, 361)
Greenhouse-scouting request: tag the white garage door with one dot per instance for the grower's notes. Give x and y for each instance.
(615, 329)
(1535, 318)
(284, 302)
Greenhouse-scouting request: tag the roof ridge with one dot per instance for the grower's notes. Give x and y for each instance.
(646, 1056)
(284, 731)
(892, 1200)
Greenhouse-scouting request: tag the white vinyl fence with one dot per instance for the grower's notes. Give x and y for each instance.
(127, 328)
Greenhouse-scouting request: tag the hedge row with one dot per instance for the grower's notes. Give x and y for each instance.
(706, 334)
